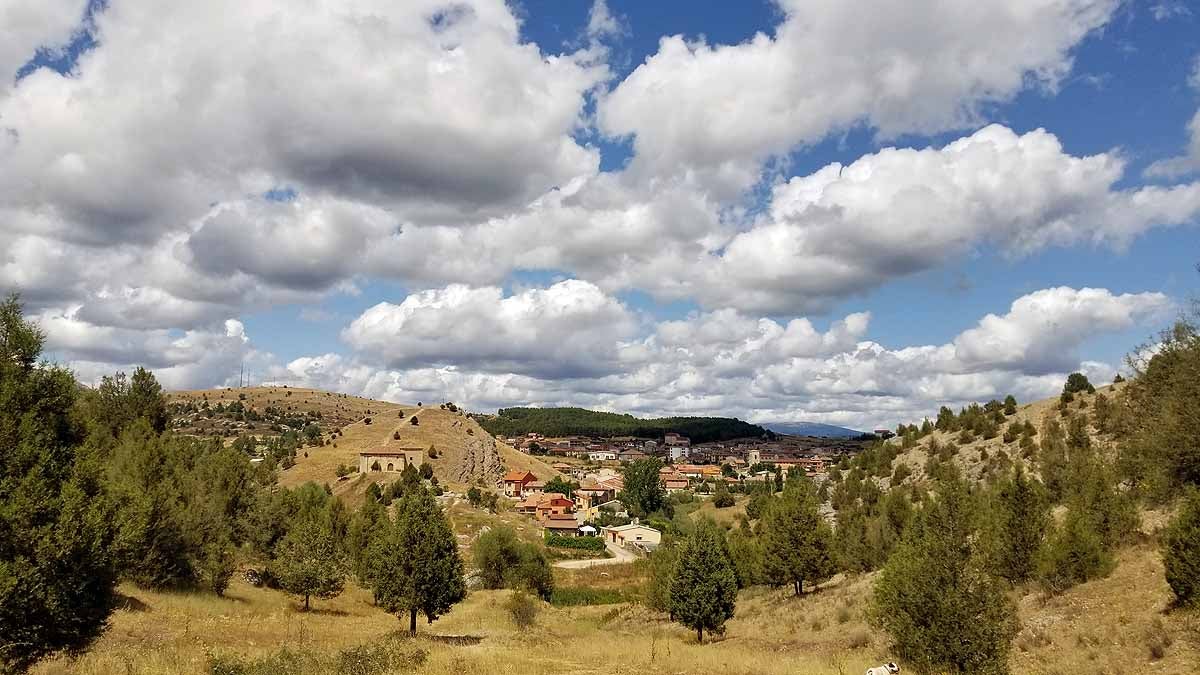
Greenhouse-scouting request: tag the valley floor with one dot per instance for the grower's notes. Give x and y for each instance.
(1107, 626)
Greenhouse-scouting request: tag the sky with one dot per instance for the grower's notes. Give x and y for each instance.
(788, 210)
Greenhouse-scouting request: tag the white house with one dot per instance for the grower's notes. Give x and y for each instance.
(632, 534)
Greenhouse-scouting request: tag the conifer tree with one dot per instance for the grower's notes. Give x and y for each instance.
(57, 577)
(1181, 552)
(1010, 405)
(1023, 517)
(416, 565)
(309, 562)
(942, 609)
(704, 587)
(797, 542)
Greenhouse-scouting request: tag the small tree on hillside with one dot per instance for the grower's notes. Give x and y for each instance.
(416, 567)
(1077, 383)
(1022, 519)
(309, 562)
(943, 611)
(1181, 552)
(797, 542)
(704, 586)
(1010, 405)
(1074, 553)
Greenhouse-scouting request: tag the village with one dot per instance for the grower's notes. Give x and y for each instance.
(593, 471)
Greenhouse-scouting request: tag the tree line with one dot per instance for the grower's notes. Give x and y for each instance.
(556, 422)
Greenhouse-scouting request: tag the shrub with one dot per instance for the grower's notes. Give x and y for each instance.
(900, 473)
(581, 543)
(522, 609)
(722, 499)
(1181, 552)
(395, 435)
(366, 420)
(1073, 554)
(506, 562)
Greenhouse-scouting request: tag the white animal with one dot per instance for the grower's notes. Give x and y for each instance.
(888, 668)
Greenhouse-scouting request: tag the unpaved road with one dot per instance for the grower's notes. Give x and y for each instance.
(621, 556)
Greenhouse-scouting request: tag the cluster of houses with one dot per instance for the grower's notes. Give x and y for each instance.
(570, 516)
(674, 449)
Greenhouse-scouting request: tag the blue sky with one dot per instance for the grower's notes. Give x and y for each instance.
(562, 165)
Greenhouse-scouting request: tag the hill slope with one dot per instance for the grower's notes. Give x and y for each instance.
(815, 429)
(466, 454)
(983, 456)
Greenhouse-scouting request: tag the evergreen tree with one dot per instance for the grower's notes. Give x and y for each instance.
(1023, 516)
(661, 562)
(152, 546)
(57, 577)
(506, 562)
(704, 586)
(146, 399)
(1074, 553)
(1077, 383)
(1181, 551)
(797, 542)
(366, 527)
(1053, 459)
(1010, 405)
(309, 562)
(417, 566)
(943, 611)
(746, 553)
(1162, 451)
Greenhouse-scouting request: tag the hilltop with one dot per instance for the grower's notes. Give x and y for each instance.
(982, 456)
(814, 429)
(336, 427)
(558, 422)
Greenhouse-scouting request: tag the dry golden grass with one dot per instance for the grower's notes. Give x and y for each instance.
(726, 516)
(970, 456)
(1109, 625)
(1106, 626)
(450, 433)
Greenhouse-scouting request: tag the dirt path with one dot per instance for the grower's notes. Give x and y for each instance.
(621, 556)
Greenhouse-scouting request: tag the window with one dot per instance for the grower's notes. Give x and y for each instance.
(391, 467)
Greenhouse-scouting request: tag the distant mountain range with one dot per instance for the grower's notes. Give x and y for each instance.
(811, 429)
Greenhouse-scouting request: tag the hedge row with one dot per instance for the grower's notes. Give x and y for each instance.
(585, 543)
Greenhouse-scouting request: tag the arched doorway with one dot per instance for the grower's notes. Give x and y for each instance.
(391, 467)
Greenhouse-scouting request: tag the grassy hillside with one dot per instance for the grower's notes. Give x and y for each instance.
(984, 457)
(466, 454)
(1115, 624)
(578, 421)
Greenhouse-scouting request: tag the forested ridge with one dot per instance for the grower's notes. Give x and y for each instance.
(582, 422)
